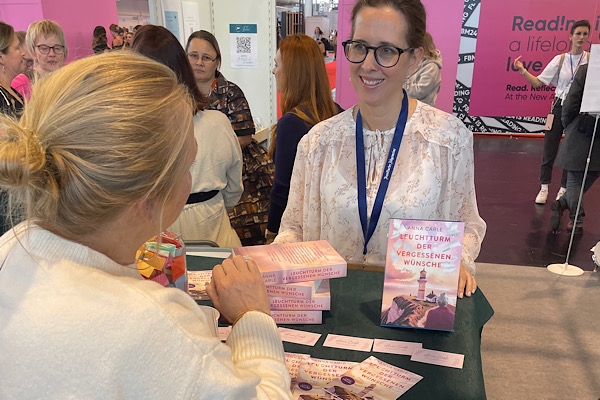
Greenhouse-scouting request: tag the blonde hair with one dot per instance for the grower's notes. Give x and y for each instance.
(44, 27)
(77, 158)
(429, 50)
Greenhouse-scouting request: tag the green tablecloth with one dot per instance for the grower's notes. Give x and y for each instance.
(356, 310)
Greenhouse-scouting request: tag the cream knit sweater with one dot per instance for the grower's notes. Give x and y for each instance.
(75, 324)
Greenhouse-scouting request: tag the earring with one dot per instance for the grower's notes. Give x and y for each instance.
(3, 68)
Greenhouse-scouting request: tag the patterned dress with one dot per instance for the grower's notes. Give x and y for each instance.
(249, 217)
(9, 105)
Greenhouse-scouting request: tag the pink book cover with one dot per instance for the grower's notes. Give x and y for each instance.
(299, 290)
(321, 300)
(373, 379)
(295, 262)
(421, 274)
(197, 281)
(297, 317)
(292, 363)
(314, 373)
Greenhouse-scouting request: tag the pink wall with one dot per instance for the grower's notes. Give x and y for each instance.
(444, 19)
(77, 19)
(509, 29)
(345, 95)
(20, 15)
(444, 22)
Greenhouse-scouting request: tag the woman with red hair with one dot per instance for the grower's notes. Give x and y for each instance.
(305, 100)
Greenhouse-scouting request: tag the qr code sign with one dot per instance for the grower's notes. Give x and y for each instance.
(243, 44)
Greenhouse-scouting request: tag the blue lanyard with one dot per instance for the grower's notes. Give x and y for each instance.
(387, 173)
(577, 67)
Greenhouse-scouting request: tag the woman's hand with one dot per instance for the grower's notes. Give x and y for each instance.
(518, 64)
(236, 288)
(466, 282)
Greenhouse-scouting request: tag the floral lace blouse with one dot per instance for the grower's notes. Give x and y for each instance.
(433, 179)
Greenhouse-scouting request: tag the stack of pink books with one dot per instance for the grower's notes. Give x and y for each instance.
(297, 278)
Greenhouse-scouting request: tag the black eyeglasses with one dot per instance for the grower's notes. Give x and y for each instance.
(58, 49)
(387, 55)
(205, 59)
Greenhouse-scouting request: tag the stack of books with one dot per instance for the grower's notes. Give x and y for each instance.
(297, 278)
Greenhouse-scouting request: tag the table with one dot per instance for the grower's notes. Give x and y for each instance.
(356, 310)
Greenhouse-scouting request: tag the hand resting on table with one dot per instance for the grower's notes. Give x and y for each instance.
(236, 288)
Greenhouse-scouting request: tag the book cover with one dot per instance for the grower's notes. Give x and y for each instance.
(301, 290)
(314, 373)
(421, 274)
(373, 379)
(297, 317)
(292, 363)
(295, 262)
(197, 281)
(298, 290)
(320, 301)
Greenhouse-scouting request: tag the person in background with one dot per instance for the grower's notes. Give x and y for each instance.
(100, 42)
(318, 34)
(11, 65)
(387, 157)
(217, 170)
(117, 42)
(560, 73)
(249, 217)
(11, 101)
(46, 41)
(128, 40)
(573, 154)
(305, 100)
(424, 83)
(95, 181)
(22, 82)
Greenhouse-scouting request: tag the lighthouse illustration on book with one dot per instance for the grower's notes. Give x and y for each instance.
(421, 274)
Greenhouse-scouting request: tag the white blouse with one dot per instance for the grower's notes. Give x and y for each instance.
(432, 180)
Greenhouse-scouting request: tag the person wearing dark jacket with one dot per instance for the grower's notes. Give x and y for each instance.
(573, 153)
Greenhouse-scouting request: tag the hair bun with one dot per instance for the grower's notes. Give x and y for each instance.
(22, 155)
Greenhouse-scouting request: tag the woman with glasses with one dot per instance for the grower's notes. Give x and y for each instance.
(217, 169)
(46, 43)
(249, 217)
(387, 157)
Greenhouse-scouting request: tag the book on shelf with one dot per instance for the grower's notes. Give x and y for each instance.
(421, 274)
(320, 301)
(297, 317)
(295, 262)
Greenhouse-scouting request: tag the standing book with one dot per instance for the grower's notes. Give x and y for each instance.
(421, 274)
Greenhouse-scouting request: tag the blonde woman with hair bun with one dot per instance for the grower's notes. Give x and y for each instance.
(424, 82)
(93, 181)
